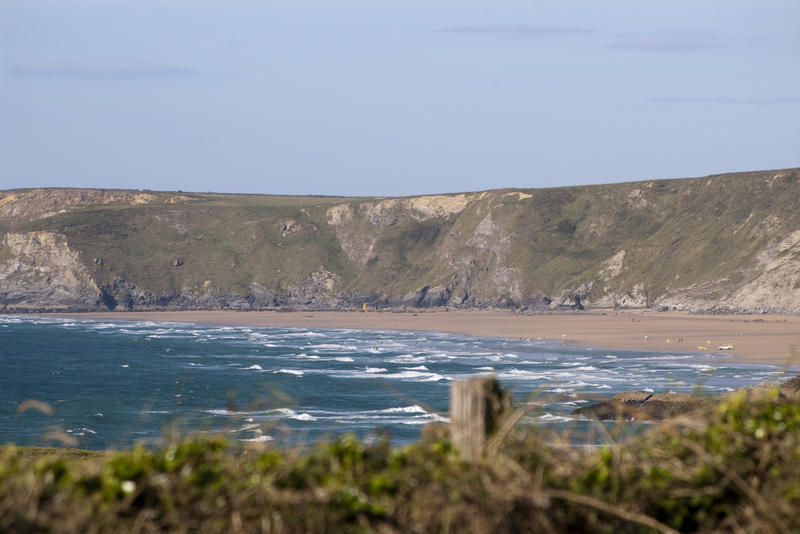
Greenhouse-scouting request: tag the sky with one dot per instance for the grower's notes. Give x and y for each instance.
(393, 97)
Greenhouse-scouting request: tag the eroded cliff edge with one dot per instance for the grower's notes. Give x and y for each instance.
(724, 243)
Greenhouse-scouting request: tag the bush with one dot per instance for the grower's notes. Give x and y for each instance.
(736, 470)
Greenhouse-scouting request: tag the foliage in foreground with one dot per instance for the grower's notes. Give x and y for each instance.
(737, 470)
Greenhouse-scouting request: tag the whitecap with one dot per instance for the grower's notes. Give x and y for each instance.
(303, 334)
(422, 377)
(257, 439)
(375, 370)
(254, 367)
(295, 372)
(423, 420)
(404, 409)
(333, 346)
(513, 373)
(288, 413)
(552, 418)
(81, 431)
(215, 412)
(443, 355)
(408, 358)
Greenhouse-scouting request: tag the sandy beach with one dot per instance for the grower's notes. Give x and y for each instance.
(754, 338)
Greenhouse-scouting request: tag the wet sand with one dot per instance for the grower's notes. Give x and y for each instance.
(755, 338)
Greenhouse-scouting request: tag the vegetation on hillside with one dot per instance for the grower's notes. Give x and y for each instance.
(715, 243)
(735, 470)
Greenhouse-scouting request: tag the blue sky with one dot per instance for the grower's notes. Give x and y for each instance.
(395, 97)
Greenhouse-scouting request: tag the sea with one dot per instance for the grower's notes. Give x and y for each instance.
(111, 384)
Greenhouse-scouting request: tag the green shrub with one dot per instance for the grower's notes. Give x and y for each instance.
(736, 470)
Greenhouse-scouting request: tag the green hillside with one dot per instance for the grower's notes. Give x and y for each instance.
(719, 243)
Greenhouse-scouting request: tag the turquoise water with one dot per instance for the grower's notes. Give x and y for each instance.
(111, 384)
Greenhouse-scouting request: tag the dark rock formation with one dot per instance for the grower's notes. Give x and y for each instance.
(644, 406)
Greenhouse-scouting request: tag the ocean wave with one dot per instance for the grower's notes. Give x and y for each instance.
(408, 358)
(257, 439)
(554, 418)
(295, 372)
(415, 408)
(288, 413)
(302, 334)
(367, 420)
(332, 347)
(80, 431)
(421, 376)
(515, 374)
(217, 411)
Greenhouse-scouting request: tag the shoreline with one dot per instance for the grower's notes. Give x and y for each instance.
(764, 339)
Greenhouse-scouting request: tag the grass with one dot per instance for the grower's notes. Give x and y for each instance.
(737, 469)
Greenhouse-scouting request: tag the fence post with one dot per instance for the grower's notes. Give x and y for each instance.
(476, 407)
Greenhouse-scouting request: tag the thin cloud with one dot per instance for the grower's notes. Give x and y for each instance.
(99, 69)
(667, 41)
(766, 100)
(513, 30)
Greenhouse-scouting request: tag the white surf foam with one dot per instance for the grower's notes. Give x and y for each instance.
(288, 413)
(404, 409)
(257, 439)
(295, 372)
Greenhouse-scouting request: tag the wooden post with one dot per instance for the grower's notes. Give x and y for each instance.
(476, 407)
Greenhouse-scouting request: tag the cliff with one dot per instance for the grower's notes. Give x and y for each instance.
(724, 243)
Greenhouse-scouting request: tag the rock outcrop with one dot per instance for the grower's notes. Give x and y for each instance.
(644, 406)
(38, 270)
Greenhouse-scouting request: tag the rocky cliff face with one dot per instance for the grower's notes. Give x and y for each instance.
(38, 270)
(726, 243)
